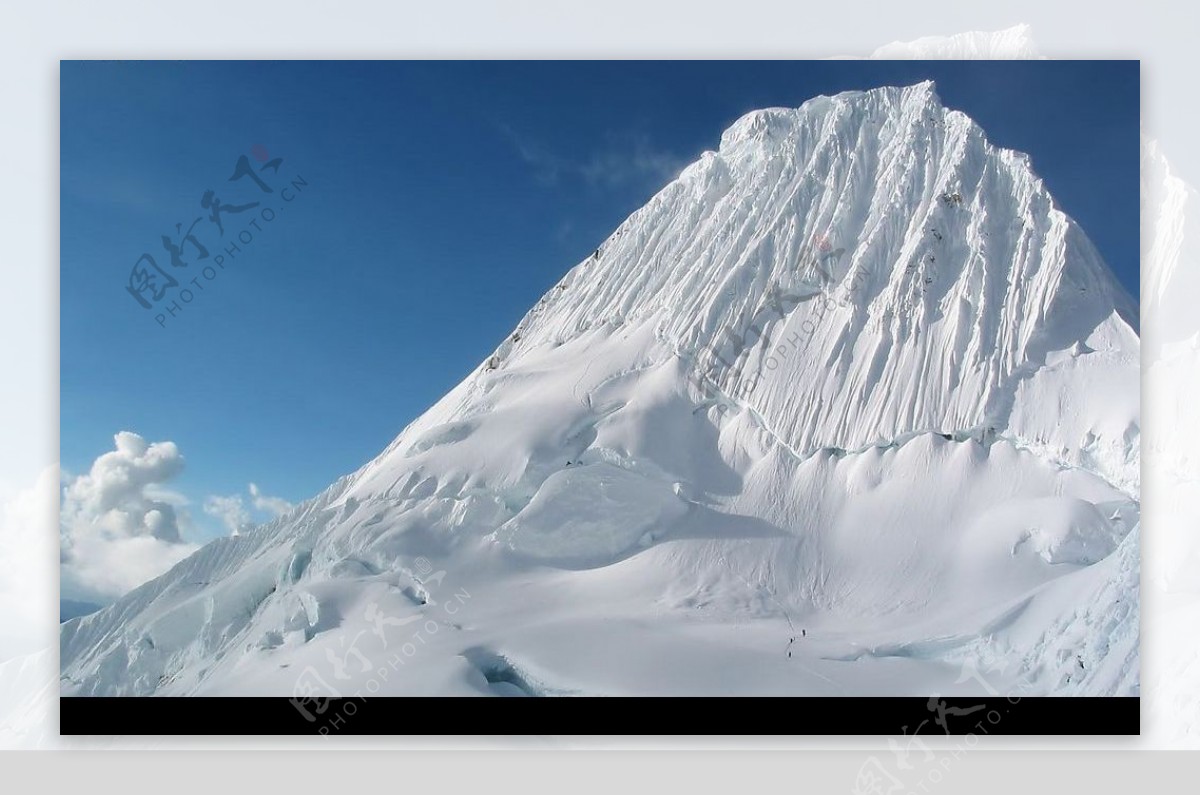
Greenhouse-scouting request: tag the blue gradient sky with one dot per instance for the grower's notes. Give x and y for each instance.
(442, 200)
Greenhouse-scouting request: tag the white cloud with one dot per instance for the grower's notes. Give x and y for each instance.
(26, 563)
(118, 525)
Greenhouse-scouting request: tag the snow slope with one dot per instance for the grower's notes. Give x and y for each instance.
(849, 407)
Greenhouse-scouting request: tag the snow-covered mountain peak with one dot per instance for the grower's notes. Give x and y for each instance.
(772, 124)
(853, 371)
(837, 115)
(885, 238)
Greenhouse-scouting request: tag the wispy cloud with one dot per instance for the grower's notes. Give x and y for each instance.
(236, 516)
(630, 159)
(624, 159)
(276, 506)
(230, 511)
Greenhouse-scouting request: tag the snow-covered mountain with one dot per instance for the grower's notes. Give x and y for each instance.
(849, 407)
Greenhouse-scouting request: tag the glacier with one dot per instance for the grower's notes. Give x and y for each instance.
(850, 407)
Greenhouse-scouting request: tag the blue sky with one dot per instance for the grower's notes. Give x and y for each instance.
(432, 203)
